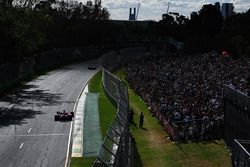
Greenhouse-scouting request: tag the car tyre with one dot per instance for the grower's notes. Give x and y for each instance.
(56, 118)
(73, 114)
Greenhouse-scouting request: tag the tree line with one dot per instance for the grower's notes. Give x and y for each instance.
(206, 30)
(31, 26)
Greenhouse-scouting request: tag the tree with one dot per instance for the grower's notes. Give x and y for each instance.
(210, 19)
(168, 19)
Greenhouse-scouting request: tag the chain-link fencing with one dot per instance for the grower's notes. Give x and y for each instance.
(240, 153)
(117, 148)
(237, 115)
(237, 125)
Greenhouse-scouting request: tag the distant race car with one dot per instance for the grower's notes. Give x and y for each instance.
(64, 116)
(92, 67)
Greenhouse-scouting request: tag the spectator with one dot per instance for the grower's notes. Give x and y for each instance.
(188, 90)
(141, 120)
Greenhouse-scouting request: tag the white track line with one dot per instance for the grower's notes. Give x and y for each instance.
(67, 154)
(11, 106)
(71, 127)
(21, 146)
(36, 135)
(29, 130)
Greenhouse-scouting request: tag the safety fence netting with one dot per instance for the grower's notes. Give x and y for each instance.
(237, 125)
(240, 153)
(117, 148)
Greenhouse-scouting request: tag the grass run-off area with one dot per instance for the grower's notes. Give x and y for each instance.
(156, 150)
(106, 115)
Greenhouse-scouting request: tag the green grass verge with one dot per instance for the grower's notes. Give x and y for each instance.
(107, 111)
(106, 115)
(155, 149)
(82, 161)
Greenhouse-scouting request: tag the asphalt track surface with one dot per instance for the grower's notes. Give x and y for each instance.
(29, 136)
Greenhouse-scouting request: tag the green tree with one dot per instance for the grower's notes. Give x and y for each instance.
(210, 19)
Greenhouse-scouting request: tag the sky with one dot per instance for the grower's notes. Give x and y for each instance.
(153, 9)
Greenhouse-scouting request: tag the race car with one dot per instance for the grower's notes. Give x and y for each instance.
(64, 116)
(92, 67)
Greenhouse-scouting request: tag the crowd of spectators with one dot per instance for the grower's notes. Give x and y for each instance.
(186, 93)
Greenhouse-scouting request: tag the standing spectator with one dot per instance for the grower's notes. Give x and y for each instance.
(141, 120)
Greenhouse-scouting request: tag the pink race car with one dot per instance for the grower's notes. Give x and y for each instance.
(64, 116)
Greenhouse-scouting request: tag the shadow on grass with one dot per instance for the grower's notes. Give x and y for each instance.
(133, 123)
(181, 149)
(137, 156)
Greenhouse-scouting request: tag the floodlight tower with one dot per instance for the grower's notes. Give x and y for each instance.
(133, 13)
(138, 9)
(168, 7)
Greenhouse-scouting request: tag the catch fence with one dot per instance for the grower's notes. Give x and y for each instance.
(237, 125)
(117, 148)
(237, 115)
(240, 153)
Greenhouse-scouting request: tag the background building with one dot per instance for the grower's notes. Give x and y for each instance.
(217, 6)
(227, 10)
(132, 16)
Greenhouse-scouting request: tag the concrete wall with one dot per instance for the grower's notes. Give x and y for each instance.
(9, 72)
(52, 58)
(56, 57)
